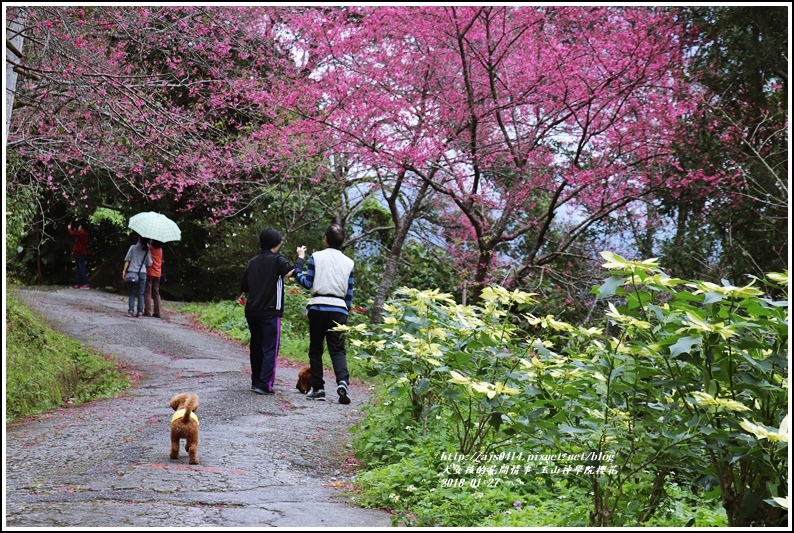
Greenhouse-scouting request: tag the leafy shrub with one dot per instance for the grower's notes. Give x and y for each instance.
(684, 377)
(428, 345)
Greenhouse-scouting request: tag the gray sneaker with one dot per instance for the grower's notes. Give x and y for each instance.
(318, 395)
(341, 390)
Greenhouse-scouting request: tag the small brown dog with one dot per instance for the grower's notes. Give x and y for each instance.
(184, 425)
(304, 383)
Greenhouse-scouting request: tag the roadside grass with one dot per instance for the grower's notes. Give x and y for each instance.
(45, 369)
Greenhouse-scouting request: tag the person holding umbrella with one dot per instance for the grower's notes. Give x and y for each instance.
(134, 274)
(159, 229)
(151, 294)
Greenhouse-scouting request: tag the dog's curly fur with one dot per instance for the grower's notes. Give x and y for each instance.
(304, 383)
(185, 427)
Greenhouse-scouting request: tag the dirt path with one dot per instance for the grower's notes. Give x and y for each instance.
(266, 461)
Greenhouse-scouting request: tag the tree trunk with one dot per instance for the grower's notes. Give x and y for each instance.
(481, 274)
(402, 226)
(389, 273)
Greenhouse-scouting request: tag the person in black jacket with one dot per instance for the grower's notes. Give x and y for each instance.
(264, 285)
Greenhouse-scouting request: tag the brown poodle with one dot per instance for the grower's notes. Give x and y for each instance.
(304, 380)
(184, 425)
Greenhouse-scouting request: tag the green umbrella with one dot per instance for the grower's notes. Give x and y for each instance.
(155, 226)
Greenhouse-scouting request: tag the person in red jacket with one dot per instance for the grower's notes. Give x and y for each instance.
(80, 253)
(151, 293)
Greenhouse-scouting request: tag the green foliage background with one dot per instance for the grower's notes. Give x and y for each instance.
(685, 384)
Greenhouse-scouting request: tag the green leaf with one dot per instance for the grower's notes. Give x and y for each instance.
(684, 345)
(569, 429)
(638, 299)
(687, 296)
(776, 303)
(657, 311)
(495, 420)
(712, 297)
(610, 286)
(422, 386)
(764, 366)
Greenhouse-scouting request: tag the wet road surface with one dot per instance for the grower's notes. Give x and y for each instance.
(265, 461)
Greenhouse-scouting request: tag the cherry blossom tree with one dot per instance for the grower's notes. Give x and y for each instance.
(154, 108)
(515, 114)
(127, 104)
(528, 126)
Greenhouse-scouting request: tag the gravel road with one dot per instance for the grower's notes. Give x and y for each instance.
(265, 461)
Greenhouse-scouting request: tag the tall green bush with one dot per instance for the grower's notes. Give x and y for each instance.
(684, 382)
(717, 357)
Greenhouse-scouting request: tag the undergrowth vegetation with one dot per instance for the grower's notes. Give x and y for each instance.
(673, 411)
(45, 369)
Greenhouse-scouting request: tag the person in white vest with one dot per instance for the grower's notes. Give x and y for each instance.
(329, 277)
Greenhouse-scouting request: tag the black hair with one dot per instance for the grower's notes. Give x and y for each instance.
(156, 244)
(335, 235)
(143, 242)
(269, 238)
